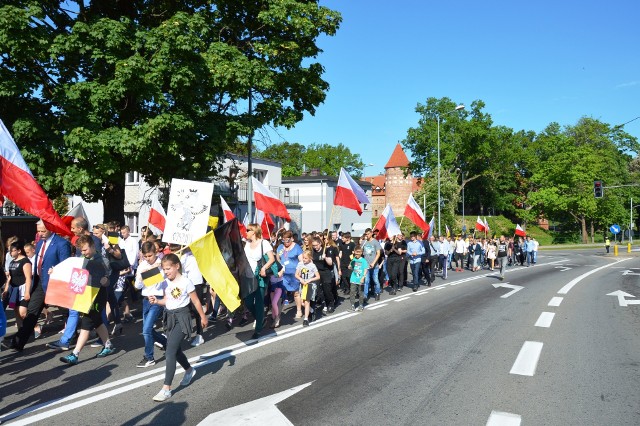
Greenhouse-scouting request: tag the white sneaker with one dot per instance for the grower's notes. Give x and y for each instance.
(325, 309)
(197, 341)
(188, 377)
(163, 395)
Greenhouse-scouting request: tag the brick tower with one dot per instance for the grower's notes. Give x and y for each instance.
(398, 187)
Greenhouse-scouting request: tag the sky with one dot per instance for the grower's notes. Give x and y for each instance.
(532, 63)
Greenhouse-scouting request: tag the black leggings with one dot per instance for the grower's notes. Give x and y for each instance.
(174, 353)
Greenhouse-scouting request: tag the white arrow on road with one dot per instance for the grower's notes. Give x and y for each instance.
(621, 298)
(260, 411)
(515, 289)
(563, 268)
(629, 272)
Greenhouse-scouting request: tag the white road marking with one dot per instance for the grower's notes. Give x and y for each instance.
(555, 301)
(376, 306)
(527, 359)
(570, 284)
(402, 299)
(500, 418)
(545, 319)
(621, 298)
(259, 411)
(514, 289)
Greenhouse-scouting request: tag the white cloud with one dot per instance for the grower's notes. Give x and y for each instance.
(629, 84)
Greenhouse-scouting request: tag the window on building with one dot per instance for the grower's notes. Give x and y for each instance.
(132, 178)
(131, 220)
(260, 175)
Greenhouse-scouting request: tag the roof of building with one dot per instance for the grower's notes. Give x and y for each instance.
(398, 158)
(377, 184)
(364, 184)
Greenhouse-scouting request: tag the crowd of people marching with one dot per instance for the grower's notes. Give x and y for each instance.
(308, 271)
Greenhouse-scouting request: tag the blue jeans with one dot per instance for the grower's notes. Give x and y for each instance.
(70, 329)
(150, 313)
(415, 271)
(530, 258)
(535, 256)
(376, 282)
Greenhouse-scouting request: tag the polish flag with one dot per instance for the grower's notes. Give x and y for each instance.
(267, 202)
(480, 225)
(520, 232)
(413, 212)
(18, 184)
(266, 223)
(486, 225)
(349, 194)
(157, 217)
(432, 223)
(387, 225)
(228, 215)
(77, 211)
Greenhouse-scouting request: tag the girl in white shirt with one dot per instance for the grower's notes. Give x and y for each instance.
(177, 295)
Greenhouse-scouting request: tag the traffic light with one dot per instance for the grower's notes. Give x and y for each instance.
(597, 189)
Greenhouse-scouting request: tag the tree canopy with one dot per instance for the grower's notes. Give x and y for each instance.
(524, 175)
(328, 159)
(92, 90)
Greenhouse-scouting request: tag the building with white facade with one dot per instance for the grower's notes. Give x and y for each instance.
(317, 210)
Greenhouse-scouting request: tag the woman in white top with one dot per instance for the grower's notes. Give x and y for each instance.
(178, 293)
(256, 249)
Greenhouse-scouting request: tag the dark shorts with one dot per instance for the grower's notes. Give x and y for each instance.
(91, 320)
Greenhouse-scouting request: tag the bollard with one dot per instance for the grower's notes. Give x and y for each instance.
(628, 247)
(615, 250)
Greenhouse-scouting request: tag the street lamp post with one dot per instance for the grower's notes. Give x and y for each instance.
(458, 108)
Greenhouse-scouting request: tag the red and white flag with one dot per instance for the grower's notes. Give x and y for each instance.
(480, 225)
(18, 184)
(228, 215)
(266, 223)
(413, 212)
(432, 224)
(267, 202)
(76, 211)
(387, 225)
(349, 194)
(486, 225)
(520, 232)
(157, 217)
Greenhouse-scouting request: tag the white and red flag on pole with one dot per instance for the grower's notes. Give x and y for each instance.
(157, 217)
(413, 212)
(349, 194)
(486, 225)
(76, 211)
(228, 215)
(520, 232)
(480, 225)
(387, 225)
(267, 201)
(432, 223)
(266, 223)
(18, 184)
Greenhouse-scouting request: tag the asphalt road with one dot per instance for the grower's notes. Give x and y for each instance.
(559, 349)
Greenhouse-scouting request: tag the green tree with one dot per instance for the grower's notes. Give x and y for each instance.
(324, 157)
(469, 144)
(568, 161)
(92, 90)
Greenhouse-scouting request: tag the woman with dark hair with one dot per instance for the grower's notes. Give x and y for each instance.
(289, 254)
(260, 256)
(19, 283)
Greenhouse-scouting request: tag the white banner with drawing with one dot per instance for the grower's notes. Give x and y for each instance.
(188, 211)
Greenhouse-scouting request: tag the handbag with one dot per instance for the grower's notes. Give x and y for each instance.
(269, 272)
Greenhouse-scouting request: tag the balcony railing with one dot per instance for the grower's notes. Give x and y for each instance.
(239, 193)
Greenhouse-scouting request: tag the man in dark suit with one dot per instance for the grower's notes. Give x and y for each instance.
(50, 251)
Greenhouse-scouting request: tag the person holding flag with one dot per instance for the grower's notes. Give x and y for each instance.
(150, 279)
(98, 269)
